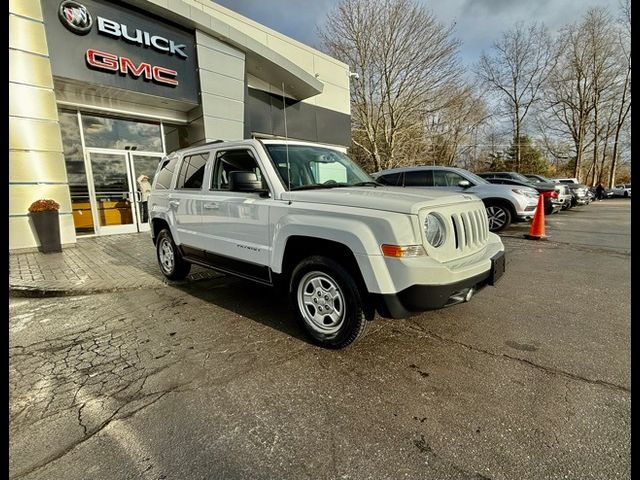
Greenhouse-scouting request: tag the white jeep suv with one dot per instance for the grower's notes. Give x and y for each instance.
(304, 217)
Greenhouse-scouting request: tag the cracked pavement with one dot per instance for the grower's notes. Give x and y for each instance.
(213, 379)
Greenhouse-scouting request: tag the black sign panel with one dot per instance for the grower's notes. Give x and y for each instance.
(107, 43)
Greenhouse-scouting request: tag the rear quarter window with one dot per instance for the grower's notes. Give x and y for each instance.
(163, 179)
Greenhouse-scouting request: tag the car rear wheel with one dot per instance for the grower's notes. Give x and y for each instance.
(172, 265)
(328, 302)
(499, 217)
(626, 194)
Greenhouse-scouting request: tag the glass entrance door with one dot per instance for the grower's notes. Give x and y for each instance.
(143, 168)
(112, 195)
(119, 189)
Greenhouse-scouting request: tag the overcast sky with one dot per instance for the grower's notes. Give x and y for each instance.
(478, 22)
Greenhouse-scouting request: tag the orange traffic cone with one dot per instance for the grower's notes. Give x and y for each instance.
(536, 230)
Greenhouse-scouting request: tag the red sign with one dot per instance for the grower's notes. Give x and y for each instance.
(113, 63)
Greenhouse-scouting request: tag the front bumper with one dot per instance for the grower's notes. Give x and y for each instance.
(420, 298)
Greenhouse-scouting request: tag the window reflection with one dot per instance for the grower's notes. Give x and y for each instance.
(76, 173)
(116, 133)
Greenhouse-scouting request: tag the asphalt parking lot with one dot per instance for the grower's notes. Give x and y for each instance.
(214, 380)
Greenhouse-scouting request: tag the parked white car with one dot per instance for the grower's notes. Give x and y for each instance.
(622, 190)
(305, 217)
(565, 180)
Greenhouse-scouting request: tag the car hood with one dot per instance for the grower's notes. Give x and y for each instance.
(391, 199)
(489, 189)
(546, 186)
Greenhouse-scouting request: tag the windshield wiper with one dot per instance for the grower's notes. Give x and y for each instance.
(368, 183)
(311, 186)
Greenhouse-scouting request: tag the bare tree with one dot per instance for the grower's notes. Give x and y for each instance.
(404, 60)
(589, 91)
(570, 91)
(516, 72)
(450, 131)
(624, 86)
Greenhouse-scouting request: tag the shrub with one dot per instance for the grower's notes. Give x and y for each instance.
(44, 205)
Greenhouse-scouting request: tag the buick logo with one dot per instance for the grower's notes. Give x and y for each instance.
(75, 17)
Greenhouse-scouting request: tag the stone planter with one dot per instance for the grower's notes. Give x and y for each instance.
(47, 227)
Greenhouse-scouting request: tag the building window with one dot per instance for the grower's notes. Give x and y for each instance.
(119, 134)
(76, 173)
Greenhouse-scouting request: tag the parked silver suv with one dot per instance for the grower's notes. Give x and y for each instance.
(504, 203)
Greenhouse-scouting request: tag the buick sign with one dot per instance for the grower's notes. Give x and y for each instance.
(75, 17)
(112, 44)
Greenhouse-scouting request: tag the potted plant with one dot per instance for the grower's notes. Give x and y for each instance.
(44, 214)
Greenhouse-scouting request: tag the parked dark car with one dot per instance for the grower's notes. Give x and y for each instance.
(551, 202)
(564, 192)
(579, 191)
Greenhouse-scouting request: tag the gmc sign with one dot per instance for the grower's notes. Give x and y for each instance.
(113, 63)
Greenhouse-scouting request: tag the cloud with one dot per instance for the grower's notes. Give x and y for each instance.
(502, 6)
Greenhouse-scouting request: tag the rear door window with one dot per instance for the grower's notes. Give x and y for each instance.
(391, 179)
(192, 171)
(418, 178)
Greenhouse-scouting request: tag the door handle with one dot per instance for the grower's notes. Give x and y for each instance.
(211, 206)
(174, 203)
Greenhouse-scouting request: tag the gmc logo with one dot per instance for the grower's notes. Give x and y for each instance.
(114, 63)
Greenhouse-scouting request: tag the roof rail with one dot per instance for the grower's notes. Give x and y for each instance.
(214, 141)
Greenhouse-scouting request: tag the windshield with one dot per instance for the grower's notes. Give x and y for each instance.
(539, 179)
(313, 166)
(522, 178)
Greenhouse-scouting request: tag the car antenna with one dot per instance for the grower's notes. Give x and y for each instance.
(286, 141)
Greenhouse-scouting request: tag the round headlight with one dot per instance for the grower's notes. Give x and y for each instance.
(434, 230)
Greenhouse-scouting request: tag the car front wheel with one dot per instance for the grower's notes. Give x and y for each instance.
(328, 302)
(499, 217)
(172, 265)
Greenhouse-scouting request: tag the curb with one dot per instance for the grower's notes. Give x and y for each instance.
(37, 292)
(32, 291)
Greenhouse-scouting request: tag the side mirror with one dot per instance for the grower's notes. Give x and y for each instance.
(464, 183)
(245, 182)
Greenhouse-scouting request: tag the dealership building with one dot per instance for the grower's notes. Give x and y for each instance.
(100, 90)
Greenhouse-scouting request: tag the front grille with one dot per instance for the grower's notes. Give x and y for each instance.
(467, 229)
(470, 229)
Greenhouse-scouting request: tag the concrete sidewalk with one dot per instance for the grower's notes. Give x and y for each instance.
(95, 265)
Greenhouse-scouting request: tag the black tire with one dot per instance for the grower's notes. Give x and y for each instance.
(344, 321)
(499, 216)
(548, 210)
(626, 194)
(172, 265)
